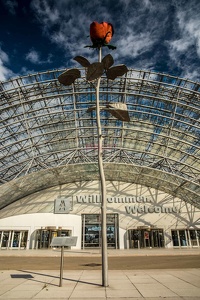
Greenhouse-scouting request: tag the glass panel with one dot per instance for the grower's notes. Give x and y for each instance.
(24, 237)
(92, 236)
(192, 234)
(135, 238)
(61, 233)
(5, 239)
(16, 237)
(111, 236)
(158, 238)
(146, 235)
(175, 239)
(91, 230)
(198, 236)
(44, 239)
(193, 237)
(182, 236)
(110, 219)
(146, 238)
(92, 219)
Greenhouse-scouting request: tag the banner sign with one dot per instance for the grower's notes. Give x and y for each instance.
(133, 204)
(63, 205)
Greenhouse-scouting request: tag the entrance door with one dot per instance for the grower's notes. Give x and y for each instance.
(175, 238)
(157, 238)
(179, 238)
(44, 236)
(5, 239)
(13, 239)
(16, 239)
(92, 235)
(91, 231)
(146, 238)
(24, 237)
(183, 239)
(44, 239)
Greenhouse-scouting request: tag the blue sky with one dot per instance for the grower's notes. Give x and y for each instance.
(158, 35)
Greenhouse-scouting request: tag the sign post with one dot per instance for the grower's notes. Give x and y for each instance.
(62, 242)
(61, 265)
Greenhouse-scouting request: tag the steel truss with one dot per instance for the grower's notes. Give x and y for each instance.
(49, 138)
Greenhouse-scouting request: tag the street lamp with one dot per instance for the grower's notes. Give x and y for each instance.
(101, 35)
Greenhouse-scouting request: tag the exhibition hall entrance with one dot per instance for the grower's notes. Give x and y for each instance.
(91, 231)
(146, 237)
(13, 239)
(44, 236)
(186, 237)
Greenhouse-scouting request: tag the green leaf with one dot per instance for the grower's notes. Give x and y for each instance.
(107, 61)
(94, 71)
(116, 71)
(82, 61)
(69, 76)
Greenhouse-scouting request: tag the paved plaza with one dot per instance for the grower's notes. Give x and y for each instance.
(168, 283)
(86, 284)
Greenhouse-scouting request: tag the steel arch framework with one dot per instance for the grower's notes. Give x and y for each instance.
(48, 137)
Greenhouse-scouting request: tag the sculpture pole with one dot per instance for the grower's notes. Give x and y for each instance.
(103, 187)
(100, 35)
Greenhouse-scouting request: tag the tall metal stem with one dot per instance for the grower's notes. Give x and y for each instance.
(103, 188)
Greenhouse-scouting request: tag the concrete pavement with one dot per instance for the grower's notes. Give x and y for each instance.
(123, 284)
(172, 284)
(97, 252)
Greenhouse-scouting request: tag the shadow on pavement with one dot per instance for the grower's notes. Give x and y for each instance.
(54, 277)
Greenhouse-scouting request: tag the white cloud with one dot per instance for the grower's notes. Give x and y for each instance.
(5, 72)
(25, 71)
(191, 73)
(184, 50)
(180, 45)
(11, 5)
(69, 30)
(34, 57)
(138, 29)
(132, 45)
(48, 15)
(188, 22)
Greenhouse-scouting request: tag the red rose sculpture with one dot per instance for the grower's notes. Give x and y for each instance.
(101, 34)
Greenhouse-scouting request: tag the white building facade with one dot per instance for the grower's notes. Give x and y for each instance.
(137, 217)
(49, 175)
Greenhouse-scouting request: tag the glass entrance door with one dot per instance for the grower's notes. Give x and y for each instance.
(183, 239)
(91, 231)
(16, 239)
(157, 238)
(92, 235)
(179, 238)
(44, 236)
(146, 238)
(5, 239)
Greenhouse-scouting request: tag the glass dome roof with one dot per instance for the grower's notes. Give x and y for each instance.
(48, 137)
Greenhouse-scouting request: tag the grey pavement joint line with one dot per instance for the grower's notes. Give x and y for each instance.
(88, 281)
(164, 285)
(13, 287)
(78, 280)
(133, 285)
